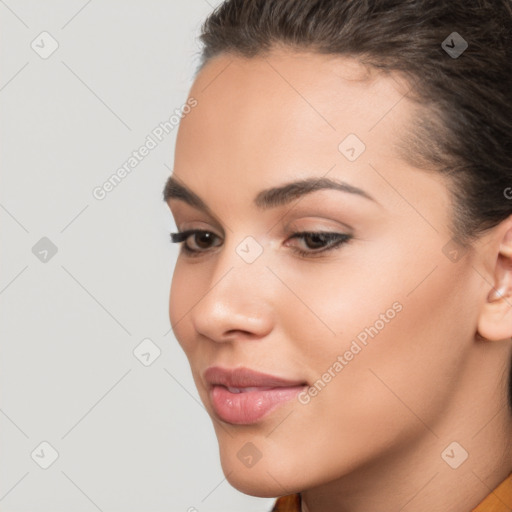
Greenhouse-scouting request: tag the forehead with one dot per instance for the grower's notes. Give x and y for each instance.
(288, 115)
(285, 103)
(335, 91)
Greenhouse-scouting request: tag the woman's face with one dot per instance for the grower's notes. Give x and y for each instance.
(372, 334)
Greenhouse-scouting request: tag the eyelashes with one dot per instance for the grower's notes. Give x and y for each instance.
(182, 236)
(328, 241)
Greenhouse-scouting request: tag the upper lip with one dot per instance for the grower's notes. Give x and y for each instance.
(244, 378)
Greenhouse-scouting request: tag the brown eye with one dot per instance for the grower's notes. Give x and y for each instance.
(202, 240)
(318, 242)
(315, 240)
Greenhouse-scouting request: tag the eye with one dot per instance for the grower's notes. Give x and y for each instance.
(203, 238)
(323, 240)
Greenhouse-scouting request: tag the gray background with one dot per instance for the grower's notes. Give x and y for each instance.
(129, 437)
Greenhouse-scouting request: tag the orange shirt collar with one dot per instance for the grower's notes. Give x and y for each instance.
(498, 500)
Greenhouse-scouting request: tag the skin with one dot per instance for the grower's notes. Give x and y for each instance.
(372, 439)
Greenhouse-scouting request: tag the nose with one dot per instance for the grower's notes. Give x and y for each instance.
(236, 302)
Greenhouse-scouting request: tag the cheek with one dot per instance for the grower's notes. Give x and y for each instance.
(180, 302)
(402, 338)
(398, 362)
(335, 303)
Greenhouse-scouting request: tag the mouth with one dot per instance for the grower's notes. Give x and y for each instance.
(242, 396)
(245, 390)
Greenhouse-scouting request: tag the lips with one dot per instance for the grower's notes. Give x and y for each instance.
(245, 378)
(245, 390)
(242, 396)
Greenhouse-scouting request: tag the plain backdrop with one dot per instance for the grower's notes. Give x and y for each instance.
(98, 409)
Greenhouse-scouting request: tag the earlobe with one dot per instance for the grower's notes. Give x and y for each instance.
(495, 321)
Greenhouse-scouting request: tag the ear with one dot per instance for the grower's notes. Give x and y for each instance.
(495, 320)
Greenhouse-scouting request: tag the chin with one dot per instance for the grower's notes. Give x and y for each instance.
(269, 477)
(259, 483)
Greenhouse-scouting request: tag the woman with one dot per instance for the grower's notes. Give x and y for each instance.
(342, 192)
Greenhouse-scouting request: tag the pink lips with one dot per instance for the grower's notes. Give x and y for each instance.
(242, 396)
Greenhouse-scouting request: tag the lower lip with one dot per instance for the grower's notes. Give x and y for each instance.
(252, 406)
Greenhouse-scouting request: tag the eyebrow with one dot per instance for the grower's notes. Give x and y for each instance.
(268, 198)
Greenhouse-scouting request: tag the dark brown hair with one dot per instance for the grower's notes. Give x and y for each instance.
(463, 124)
